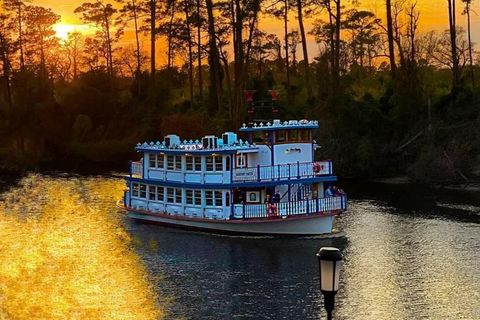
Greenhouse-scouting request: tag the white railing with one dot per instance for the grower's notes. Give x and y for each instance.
(136, 168)
(293, 208)
(283, 171)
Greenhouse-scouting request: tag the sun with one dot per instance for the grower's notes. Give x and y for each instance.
(62, 30)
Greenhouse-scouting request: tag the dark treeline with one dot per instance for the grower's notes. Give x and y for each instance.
(391, 99)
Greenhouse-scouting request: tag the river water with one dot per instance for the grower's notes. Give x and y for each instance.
(409, 253)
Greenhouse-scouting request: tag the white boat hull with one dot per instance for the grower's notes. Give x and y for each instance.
(307, 225)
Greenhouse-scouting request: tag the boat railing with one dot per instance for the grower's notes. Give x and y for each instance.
(283, 171)
(136, 168)
(293, 208)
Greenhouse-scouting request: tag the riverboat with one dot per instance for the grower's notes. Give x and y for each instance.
(263, 181)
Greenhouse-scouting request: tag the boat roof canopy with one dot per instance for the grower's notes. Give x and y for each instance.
(279, 125)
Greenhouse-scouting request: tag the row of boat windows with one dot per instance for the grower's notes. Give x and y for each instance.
(283, 136)
(172, 195)
(192, 163)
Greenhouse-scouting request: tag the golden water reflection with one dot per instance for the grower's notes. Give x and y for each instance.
(63, 256)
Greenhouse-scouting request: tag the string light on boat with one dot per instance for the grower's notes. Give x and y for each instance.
(330, 263)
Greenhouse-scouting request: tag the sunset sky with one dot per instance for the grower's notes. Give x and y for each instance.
(433, 15)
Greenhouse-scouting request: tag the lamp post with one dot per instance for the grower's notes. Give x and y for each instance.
(329, 262)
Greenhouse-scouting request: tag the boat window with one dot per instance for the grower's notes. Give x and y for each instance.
(160, 194)
(170, 162)
(198, 163)
(208, 198)
(189, 163)
(178, 163)
(227, 199)
(197, 200)
(280, 136)
(218, 163)
(218, 198)
(152, 192)
(209, 163)
(241, 160)
(293, 136)
(170, 195)
(260, 136)
(135, 190)
(143, 191)
(227, 163)
(152, 159)
(160, 161)
(305, 135)
(188, 196)
(178, 195)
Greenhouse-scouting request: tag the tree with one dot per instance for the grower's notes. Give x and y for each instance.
(215, 90)
(40, 35)
(102, 15)
(131, 12)
(5, 49)
(453, 44)
(391, 47)
(362, 26)
(467, 10)
(18, 6)
(300, 5)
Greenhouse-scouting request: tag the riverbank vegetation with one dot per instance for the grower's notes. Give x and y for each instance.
(61, 257)
(392, 98)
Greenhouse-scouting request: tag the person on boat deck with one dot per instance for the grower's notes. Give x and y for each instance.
(276, 197)
(268, 199)
(335, 191)
(328, 192)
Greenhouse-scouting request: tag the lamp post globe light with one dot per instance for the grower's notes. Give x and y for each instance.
(330, 263)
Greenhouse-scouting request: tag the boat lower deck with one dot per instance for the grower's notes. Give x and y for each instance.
(302, 225)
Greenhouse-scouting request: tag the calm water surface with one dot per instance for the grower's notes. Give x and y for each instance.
(409, 253)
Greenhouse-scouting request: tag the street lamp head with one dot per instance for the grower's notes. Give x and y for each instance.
(330, 263)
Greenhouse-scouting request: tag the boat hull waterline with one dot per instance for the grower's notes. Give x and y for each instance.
(307, 225)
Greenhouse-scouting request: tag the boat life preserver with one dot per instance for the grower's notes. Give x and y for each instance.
(317, 167)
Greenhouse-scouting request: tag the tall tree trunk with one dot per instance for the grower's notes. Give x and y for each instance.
(20, 35)
(170, 35)
(6, 69)
(304, 47)
(337, 38)
(153, 35)
(453, 44)
(287, 62)
(190, 54)
(391, 46)
(109, 47)
(239, 60)
(470, 54)
(214, 61)
(137, 41)
(199, 48)
(331, 36)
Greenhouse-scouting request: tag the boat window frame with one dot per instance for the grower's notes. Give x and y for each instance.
(160, 193)
(197, 194)
(170, 194)
(143, 191)
(217, 198)
(152, 190)
(241, 160)
(209, 198)
(197, 165)
(178, 163)
(218, 163)
(152, 159)
(170, 162)
(135, 189)
(178, 195)
(160, 161)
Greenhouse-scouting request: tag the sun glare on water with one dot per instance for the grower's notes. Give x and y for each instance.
(66, 256)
